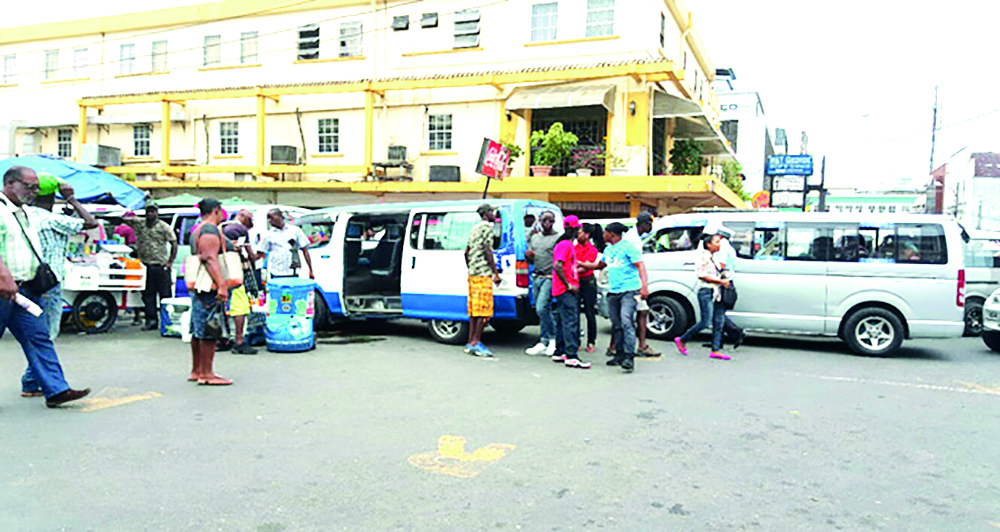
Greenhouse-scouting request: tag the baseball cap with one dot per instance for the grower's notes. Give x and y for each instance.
(207, 205)
(571, 221)
(48, 184)
(483, 209)
(644, 217)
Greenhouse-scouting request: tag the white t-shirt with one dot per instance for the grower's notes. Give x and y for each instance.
(276, 243)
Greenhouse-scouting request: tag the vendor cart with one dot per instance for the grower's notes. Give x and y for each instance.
(101, 280)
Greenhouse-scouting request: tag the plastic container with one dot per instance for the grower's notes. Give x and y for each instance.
(291, 307)
(171, 311)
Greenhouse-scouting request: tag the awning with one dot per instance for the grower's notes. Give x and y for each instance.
(692, 123)
(562, 96)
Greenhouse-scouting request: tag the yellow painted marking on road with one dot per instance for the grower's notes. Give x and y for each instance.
(451, 459)
(994, 523)
(979, 387)
(109, 398)
(976, 389)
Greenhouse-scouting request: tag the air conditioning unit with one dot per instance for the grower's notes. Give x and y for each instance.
(284, 155)
(100, 156)
(445, 173)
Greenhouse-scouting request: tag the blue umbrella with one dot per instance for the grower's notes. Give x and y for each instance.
(89, 184)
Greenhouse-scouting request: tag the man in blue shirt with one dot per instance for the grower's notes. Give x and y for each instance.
(626, 280)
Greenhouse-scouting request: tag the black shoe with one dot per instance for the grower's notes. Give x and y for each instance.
(65, 397)
(223, 345)
(150, 326)
(740, 339)
(613, 362)
(628, 366)
(244, 349)
(707, 344)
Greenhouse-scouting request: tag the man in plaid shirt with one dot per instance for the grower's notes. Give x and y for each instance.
(17, 266)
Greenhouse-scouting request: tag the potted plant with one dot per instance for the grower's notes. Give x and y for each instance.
(515, 152)
(586, 161)
(551, 147)
(617, 159)
(685, 158)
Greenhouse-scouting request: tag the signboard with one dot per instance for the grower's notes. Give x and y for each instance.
(796, 183)
(787, 199)
(790, 165)
(493, 159)
(761, 200)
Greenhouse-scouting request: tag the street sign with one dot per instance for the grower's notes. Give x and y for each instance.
(790, 165)
(493, 159)
(787, 199)
(792, 183)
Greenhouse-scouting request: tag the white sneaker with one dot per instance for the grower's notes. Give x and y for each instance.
(537, 349)
(551, 349)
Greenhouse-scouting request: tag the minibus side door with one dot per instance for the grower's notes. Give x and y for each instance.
(434, 283)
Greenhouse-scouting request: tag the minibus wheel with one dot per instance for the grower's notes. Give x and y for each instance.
(667, 318)
(322, 318)
(873, 331)
(449, 331)
(992, 340)
(973, 317)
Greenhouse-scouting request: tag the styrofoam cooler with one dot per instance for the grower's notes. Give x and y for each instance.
(291, 307)
(171, 309)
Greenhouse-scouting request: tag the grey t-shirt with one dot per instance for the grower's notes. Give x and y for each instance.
(543, 246)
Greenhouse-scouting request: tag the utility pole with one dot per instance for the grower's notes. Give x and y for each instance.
(933, 129)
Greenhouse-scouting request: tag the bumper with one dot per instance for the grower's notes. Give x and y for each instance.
(991, 317)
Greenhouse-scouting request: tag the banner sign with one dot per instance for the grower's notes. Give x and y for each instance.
(493, 159)
(790, 165)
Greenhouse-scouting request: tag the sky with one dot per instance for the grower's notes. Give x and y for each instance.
(857, 76)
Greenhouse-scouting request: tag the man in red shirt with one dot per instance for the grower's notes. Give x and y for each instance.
(565, 303)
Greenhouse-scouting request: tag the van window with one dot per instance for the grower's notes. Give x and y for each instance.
(980, 253)
(768, 240)
(450, 231)
(742, 239)
(921, 243)
(847, 244)
(809, 242)
(673, 239)
(318, 231)
(187, 224)
(878, 243)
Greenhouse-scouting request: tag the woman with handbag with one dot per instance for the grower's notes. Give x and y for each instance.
(711, 282)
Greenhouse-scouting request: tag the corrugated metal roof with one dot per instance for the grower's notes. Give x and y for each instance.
(454, 75)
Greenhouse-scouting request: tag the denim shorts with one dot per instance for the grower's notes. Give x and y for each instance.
(204, 307)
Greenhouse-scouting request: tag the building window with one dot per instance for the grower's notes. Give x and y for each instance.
(160, 56)
(248, 47)
(600, 18)
(439, 132)
(30, 144)
(308, 42)
(350, 39)
(51, 64)
(892, 209)
(229, 138)
(141, 134)
(64, 144)
(467, 28)
(544, 20)
(9, 68)
(79, 62)
(213, 50)
(329, 135)
(663, 30)
(126, 58)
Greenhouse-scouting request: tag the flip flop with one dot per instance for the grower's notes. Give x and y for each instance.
(192, 378)
(217, 380)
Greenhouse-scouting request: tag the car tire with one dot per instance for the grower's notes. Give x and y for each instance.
(667, 318)
(95, 312)
(992, 340)
(973, 317)
(508, 326)
(873, 331)
(449, 331)
(321, 320)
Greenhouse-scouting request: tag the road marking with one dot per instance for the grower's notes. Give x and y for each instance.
(109, 398)
(451, 459)
(995, 524)
(979, 387)
(974, 389)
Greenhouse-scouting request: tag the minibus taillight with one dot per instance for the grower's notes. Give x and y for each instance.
(521, 269)
(960, 296)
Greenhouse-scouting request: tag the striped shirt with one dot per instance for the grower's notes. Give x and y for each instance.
(54, 230)
(15, 250)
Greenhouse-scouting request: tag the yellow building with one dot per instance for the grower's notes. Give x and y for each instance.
(358, 99)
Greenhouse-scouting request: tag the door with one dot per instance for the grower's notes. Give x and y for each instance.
(325, 248)
(434, 280)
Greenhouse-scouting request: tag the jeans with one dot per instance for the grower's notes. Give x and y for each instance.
(32, 333)
(205, 308)
(621, 307)
(588, 293)
(52, 305)
(712, 313)
(541, 290)
(566, 308)
(158, 283)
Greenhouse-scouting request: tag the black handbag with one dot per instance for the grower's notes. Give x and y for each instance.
(45, 279)
(729, 296)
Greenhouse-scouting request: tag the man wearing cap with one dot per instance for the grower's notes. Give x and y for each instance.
(627, 285)
(643, 226)
(54, 230)
(18, 266)
(565, 292)
(153, 236)
(483, 273)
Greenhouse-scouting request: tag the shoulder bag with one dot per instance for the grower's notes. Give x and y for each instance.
(196, 275)
(729, 294)
(45, 279)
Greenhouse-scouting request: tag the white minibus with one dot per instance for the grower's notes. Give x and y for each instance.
(872, 280)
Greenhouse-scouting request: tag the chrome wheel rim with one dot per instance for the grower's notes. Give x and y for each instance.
(974, 320)
(446, 328)
(661, 319)
(875, 333)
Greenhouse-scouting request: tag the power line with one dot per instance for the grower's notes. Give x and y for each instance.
(984, 115)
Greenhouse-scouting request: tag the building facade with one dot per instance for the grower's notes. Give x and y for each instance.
(258, 94)
(870, 202)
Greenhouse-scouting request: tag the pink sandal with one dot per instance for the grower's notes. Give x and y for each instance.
(719, 355)
(680, 346)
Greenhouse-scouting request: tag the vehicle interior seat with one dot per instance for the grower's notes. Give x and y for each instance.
(388, 253)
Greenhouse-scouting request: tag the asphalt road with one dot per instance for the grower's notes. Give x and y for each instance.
(366, 433)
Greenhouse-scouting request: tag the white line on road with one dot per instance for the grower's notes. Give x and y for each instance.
(979, 390)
